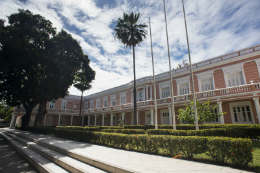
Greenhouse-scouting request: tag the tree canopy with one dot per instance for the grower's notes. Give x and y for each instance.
(38, 64)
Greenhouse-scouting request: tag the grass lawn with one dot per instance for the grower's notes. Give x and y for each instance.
(252, 166)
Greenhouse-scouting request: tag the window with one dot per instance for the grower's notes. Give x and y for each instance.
(206, 84)
(123, 100)
(113, 102)
(63, 104)
(105, 103)
(114, 120)
(184, 89)
(242, 114)
(92, 105)
(165, 92)
(140, 95)
(235, 79)
(165, 118)
(148, 119)
(98, 104)
(105, 120)
(86, 105)
(97, 123)
(61, 120)
(51, 105)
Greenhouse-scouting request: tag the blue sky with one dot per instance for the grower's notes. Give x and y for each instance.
(214, 27)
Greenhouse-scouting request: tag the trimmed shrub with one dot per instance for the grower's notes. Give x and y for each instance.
(110, 127)
(237, 150)
(205, 126)
(2, 126)
(124, 131)
(221, 149)
(79, 128)
(235, 132)
(134, 127)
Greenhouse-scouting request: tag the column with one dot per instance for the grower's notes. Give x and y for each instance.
(111, 119)
(83, 117)
(12, 122)
(220, 110)
(170, 115)
(59, 120)
(146, 93)
(95, 120)
(137, 117)
(45, 117)
(257, 107)
(88, 120)
(152, 116)
(151, 93)
(71, 120)
(103, 119)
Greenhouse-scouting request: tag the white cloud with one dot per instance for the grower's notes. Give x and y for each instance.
(214, 27)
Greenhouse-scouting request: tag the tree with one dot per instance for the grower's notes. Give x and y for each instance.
(42, 67)
(6, 112)
(130, 33)
(205, 114)
(82, 88)
(22, 53)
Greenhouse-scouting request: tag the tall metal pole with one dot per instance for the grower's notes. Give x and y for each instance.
(155, 101)
(170, 71)
(191, 73)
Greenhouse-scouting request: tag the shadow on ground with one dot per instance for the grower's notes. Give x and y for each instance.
(11, 161)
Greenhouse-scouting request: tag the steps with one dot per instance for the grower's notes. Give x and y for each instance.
(39, 162)
(45, 159)
(68, 155)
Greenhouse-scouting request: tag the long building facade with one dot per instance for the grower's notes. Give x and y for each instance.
(231, 81)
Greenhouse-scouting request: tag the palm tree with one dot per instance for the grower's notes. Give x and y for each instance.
(131, 34)
(82, 88)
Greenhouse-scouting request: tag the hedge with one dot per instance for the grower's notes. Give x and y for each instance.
(124, 131)
(221, 149)
(110, 127)
(79, 128)
(235, 132)
(189, 127)
(2, 126)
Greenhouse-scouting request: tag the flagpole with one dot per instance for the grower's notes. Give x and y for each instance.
(191, 73)
(170, 71)
(154, 88)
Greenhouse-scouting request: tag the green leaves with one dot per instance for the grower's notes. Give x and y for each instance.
(205, 113)
(129, 31)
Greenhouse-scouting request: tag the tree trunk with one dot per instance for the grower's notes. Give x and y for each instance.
(41, 113)
(80, 117)
(28, 109)
(135, 116)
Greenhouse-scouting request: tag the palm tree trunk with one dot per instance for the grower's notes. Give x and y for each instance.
(80, 118)
(135, 117)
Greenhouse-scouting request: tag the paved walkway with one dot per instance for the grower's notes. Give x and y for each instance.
(137, 162)
(11, 161)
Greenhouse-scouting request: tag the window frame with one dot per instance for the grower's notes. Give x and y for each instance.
(64, 101)
(91, 103)
(232, 69)
(121, 96)
(86, 103)
(245, 103)
(105, 99)
(53, 104)
(204, 76)
(111, 100)
(162, 86)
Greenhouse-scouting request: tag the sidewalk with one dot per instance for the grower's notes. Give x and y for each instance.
(127, 160)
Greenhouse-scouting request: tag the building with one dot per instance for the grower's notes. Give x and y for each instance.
(231, 81)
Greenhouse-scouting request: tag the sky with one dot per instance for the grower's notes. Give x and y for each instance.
(214, 28)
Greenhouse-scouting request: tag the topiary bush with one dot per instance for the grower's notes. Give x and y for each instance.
(133, 126)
